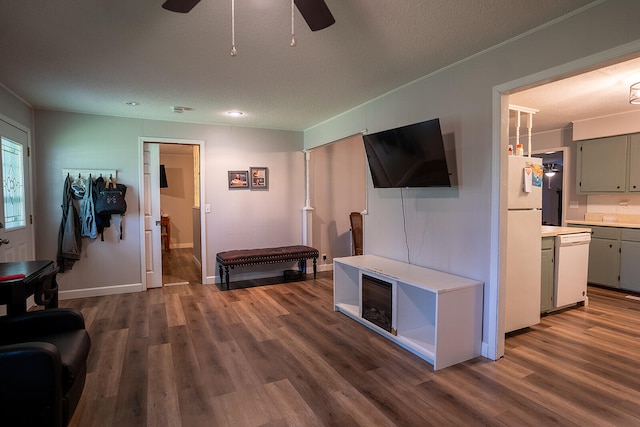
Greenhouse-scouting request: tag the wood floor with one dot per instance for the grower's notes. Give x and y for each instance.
(278, 355)
(178, 266)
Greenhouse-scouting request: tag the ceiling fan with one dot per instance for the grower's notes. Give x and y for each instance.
(315, 12)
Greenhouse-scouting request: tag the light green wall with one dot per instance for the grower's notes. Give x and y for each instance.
(239, 218)
(460, 230)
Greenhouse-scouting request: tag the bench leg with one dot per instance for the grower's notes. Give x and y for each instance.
(226, 274)
(221, 274)
(314, 267)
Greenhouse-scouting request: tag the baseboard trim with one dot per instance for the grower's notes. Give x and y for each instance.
(98, 292)
(181, 246)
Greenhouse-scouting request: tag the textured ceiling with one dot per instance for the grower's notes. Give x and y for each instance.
(598, 93)
(93, 56)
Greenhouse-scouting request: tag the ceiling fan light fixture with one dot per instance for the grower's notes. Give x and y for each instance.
(634, 94)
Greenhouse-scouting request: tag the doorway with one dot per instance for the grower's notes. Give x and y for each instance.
(16, 234)
(180, 214)
(152, 220)
(553, 195)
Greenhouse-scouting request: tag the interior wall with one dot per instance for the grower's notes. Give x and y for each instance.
(454, 230)
(238, 218)
(337, 188)
(14, 109)
(177, 199)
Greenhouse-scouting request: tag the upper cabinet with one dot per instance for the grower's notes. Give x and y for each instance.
(609, 165)
(634, 163)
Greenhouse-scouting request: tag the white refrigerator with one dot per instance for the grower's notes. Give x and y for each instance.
(524, 218)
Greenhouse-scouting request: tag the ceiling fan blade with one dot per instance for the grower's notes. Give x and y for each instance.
(180, 6)
(316, 13)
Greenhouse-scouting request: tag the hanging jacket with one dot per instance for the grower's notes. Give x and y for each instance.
(87, 213)
(69, 236)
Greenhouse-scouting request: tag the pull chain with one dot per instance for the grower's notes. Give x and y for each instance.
(293, 32)
(234, 52)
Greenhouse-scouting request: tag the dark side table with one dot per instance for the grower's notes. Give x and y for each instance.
(14, 293)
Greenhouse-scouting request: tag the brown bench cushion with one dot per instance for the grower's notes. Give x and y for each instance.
(265, 255)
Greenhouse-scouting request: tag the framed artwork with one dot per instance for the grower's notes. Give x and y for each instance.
(238, 179)
(259, 178)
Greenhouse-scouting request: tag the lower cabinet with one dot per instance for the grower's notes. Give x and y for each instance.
(547, 277)
(614, 257)
(630, 259)
(604, 262)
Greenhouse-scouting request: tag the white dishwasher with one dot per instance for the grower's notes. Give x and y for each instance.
(572, 266)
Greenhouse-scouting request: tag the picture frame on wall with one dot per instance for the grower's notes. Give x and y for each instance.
(238, 179)
(259, 178)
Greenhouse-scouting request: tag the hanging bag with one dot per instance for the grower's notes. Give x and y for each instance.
(111, 198)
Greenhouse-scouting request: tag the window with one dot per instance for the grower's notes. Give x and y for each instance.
(13, 184)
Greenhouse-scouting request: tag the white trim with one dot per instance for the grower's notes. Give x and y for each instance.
(101, 291)
(181, 246)
(203, 225)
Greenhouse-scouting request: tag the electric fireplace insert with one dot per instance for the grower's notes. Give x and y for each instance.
(376, 302)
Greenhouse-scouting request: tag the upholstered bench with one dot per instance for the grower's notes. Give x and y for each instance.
(240, 257)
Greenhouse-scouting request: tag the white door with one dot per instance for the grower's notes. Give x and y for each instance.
(153, 254)
(16, 240)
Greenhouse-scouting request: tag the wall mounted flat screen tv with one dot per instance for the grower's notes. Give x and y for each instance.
(408, 156)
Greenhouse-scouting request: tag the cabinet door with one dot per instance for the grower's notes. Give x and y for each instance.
(546, 291)
(604, 262)
(630, 266)
(602, 165)
(634, 163)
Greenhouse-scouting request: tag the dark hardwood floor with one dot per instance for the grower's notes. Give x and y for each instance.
(178, 266)
(278, 355)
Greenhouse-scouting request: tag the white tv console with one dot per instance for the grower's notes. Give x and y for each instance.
(437, 316)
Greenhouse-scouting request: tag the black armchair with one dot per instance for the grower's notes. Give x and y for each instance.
(43, 365)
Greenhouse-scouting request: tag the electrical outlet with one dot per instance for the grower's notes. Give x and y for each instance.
(324, 257)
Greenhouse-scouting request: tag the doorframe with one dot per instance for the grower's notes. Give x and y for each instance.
(29, 192)
(500, 139)
(203, 247)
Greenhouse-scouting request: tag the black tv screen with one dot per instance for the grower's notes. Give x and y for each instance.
(408, 156)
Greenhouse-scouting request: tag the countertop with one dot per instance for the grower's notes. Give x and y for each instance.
(604, 223)
(552, 231)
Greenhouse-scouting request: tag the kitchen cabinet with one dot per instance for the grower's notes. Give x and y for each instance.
(630, 259)
(602, 165)
(604, 256)
(609, 165)
(634, 163)
(614, 257)
(547, 276)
